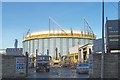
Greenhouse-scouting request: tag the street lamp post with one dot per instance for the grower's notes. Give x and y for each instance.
(102, 55)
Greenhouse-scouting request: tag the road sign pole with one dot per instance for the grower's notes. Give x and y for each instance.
(26, 63)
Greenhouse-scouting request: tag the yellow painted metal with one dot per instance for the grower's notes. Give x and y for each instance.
(61, 35)
(56, 61)
(73, 57)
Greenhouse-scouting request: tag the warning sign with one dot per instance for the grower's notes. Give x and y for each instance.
(20, 65)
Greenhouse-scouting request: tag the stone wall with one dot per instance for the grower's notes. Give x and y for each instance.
(9, 67)
(111, 65)
(0, 66)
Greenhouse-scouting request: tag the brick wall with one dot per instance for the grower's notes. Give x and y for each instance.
(111, 65)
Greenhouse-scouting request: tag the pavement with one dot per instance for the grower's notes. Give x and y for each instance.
(56, 73)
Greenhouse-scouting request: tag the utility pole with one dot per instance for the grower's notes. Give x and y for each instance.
(102, 55)
(49, 27)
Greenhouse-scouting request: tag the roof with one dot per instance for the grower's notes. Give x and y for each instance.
(89, 44)
(57, 32)
(14, 51)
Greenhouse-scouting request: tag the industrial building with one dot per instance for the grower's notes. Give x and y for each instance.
(12, 51)
(97, 45)
(82, 51)
(74, 49)
(112, 35)
(63, 40)
(43, 41)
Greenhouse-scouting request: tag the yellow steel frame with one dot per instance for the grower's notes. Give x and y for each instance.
(73, 55)
(61, 35)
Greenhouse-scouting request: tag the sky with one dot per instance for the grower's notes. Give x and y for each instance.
(19, 17)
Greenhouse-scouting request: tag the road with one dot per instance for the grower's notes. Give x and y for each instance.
(57, 73)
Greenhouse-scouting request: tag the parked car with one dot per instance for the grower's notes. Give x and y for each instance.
(82, 68)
